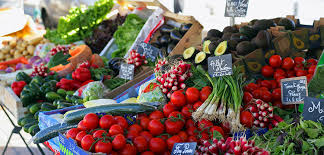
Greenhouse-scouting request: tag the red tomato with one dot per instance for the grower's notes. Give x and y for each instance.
(311, 69)
(106, 121)
(299, 61)
(119, 142)
(132, 134)
(81, 126)
(266, 96)
(192, 131)
(99, 133)
(115, 130)
(190, 123)
(301, 73)
(288, 63)
(197, 105)
(226, 127)
(204, 93)
(72, 133)
(186, 112)
(164, 137)
(273, 84)
(251, 87)
(86, 142)
(192, 95)
(79, 136)
(297, 68)
(247, 97)
(207, 88)
(246, 119)
(176, 114)
(147, 135)
(91, 121)
(140, 143)
(155, 127)
(204, 124)
(144, 122)
(192, 139)
(278, 104)
(168, 108)
(275, 61)
(258, 82)
(128, 150)
(266, 83)
(279, 79)
(291, 73)
(141, 115)
(263, 89)
(218, 129)
(311, 62)
(156, 115)
(183, 135)
(135, 127)
(172, 140)
(147, 153)
(276, 94)
(178, 99)
(309, 77)
(121, 121)
(279, 72)
(267, 71)
(256, 94)
(103, 147)
(173, 127)
(157, 145)
(204, 136)
(289, 106)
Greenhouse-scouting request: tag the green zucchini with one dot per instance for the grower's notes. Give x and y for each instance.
(35, 107)
(118, 109)
(36, 114)
(27, 120)
(51, 132)
(19, 122)
(47, 107)
(63, 105)
(34, 130)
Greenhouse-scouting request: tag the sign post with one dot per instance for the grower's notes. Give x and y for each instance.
(236, 8)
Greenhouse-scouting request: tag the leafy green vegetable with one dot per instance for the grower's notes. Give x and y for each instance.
(126, 34)
(79, 23)
(58, 58)
(98, 73)
(198, 78)
(111, 84)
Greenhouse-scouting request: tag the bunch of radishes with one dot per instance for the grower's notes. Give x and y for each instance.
(230, 146)
(174, 78)
(136, 59)
(40, 70)
(60, 48)
(263, 114)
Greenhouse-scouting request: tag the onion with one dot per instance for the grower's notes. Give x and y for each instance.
(9, 70)
(19, 66)
(28, 66)
(38, 62)
(33, 59)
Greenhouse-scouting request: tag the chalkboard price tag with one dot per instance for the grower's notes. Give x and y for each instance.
(294, 90)
(220, 65)
(236, 8)
(184, 148)
(313, 109)
(148, 50)
(126, 71)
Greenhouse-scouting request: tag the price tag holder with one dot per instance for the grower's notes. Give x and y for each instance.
(126, 71)
(148, 50)
(294, 90)
(313, 109)
(236, 8)
(184, 148)
(220, 65)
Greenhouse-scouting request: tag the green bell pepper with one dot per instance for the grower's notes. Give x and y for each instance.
(22, 76)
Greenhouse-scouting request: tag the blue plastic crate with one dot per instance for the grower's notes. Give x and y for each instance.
(248, 133)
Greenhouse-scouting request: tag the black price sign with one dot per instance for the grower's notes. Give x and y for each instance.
(220, 65)
(236, 8)
(148, 50)
(184, 148)
(126, 71)
(313, 109)
(294, 90)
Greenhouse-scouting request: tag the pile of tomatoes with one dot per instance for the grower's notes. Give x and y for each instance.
(278, 68)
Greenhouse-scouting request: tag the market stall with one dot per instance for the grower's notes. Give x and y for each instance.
(112, 79)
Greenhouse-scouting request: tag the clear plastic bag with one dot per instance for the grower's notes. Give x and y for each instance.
(91, 91)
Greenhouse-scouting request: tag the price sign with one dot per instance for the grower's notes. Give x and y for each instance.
(236, 8)
(126, 71)
(314, 109)
(148, 50)
(220, 65)
(294, 90)
(184, 148)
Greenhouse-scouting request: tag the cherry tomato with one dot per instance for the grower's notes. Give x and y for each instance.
(276, 94)
(192, 131)
(168, 108)
(115, 129)
(197, 105)
(311, 69)
(311, 62)
(178, 99)
(218, 129)
(106, 121)
(99, 133)
(156, 115)
(140, 143)
(132, 134)
(273, 84)
(309, 77)
(156, 127)
(121, 121)
(275, 61)
(291, 73)
(147, 153)
(301, 73)
(246, 119)
(299, 61)
(256, 94)
(72, 133)
(183, 135)
(288, 63)
(91, 121)
(204, 124)
(81, 126)
(204, 93)
(173, 127)
(251, 87)
(176, 114)
(172, 140)
(190, 123)
(266, 96)
(119, 142)
(144, 122)
(192, 95)
(266, 83)
(186, 112)
(103, 147)
(157, 145)
(86, 142)
(79, 136)
(147, 135)
(128, 150)
(267, 71)
(278, 104)
(135, 127)
(192, 139)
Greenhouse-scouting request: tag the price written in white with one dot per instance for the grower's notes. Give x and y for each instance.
(127, 71)
(318, 108)
(295, 95)
(220, 68)
(186, 149)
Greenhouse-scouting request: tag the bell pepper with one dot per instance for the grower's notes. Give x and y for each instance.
(18, 86)
(48, 86)
(67, 84)
(22, 76)
(81, 74)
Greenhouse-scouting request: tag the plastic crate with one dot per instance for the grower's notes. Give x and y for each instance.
(249, 133)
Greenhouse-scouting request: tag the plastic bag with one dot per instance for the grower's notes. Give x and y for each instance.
(151, 92)
(91, 91)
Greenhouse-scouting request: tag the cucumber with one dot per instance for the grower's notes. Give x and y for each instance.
(70, 93)
(28, 125)
(47, 107)
(61, 92)
(36, 115)
(52, 96)
(118, 109)
(27, 120)
(32, 128)
(64, 105)
(35, 107)
(19, 122)
(51, 132)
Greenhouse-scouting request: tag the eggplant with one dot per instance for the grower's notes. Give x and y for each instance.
(114, 64)
(164, 40)
(184, 28)
(156, 44)
(170, 48)
(175, 35)
(166, 29)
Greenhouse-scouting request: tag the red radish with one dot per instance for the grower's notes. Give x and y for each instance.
(270, 109)
(266, 105)
(258, 101)
(270, 126)
(270, 115)
(274, 122)
(262, 125)
(264, 113)
(253, 109)
(260, 118)
(256, 122)
(277, 118)
(169, 95)
(182, 86)
(255, 115)
(174, 88)
(262, 107)
(237, 150)
(265, 119)
(164, 90)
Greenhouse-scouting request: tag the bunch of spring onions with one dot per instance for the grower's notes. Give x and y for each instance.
(224, 102)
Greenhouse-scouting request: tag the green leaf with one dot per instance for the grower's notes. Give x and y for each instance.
(306, 146)
(319, 142)
(312, 133)
(217, 135)
(58, 58)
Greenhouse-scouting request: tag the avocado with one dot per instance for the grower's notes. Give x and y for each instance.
(214, 33)
(227, 36)
(248, 31)
(201, 58)
(236, 36)
(213, 45)
(205, 39)
(263, 39)
(263, 24)
(244, 48)
(221, 48)
(287, 23)
(251, 23)
(206, 46)
(230, 29)
(232, 45)
(189, 53)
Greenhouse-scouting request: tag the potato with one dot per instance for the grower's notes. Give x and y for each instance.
(25, 53)
(12, 52)
(31, 49)
(5, 42)
(17, 55)
(24, 44)
(13, 43)
(6, 49)
(35, 40)
(2, 56)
